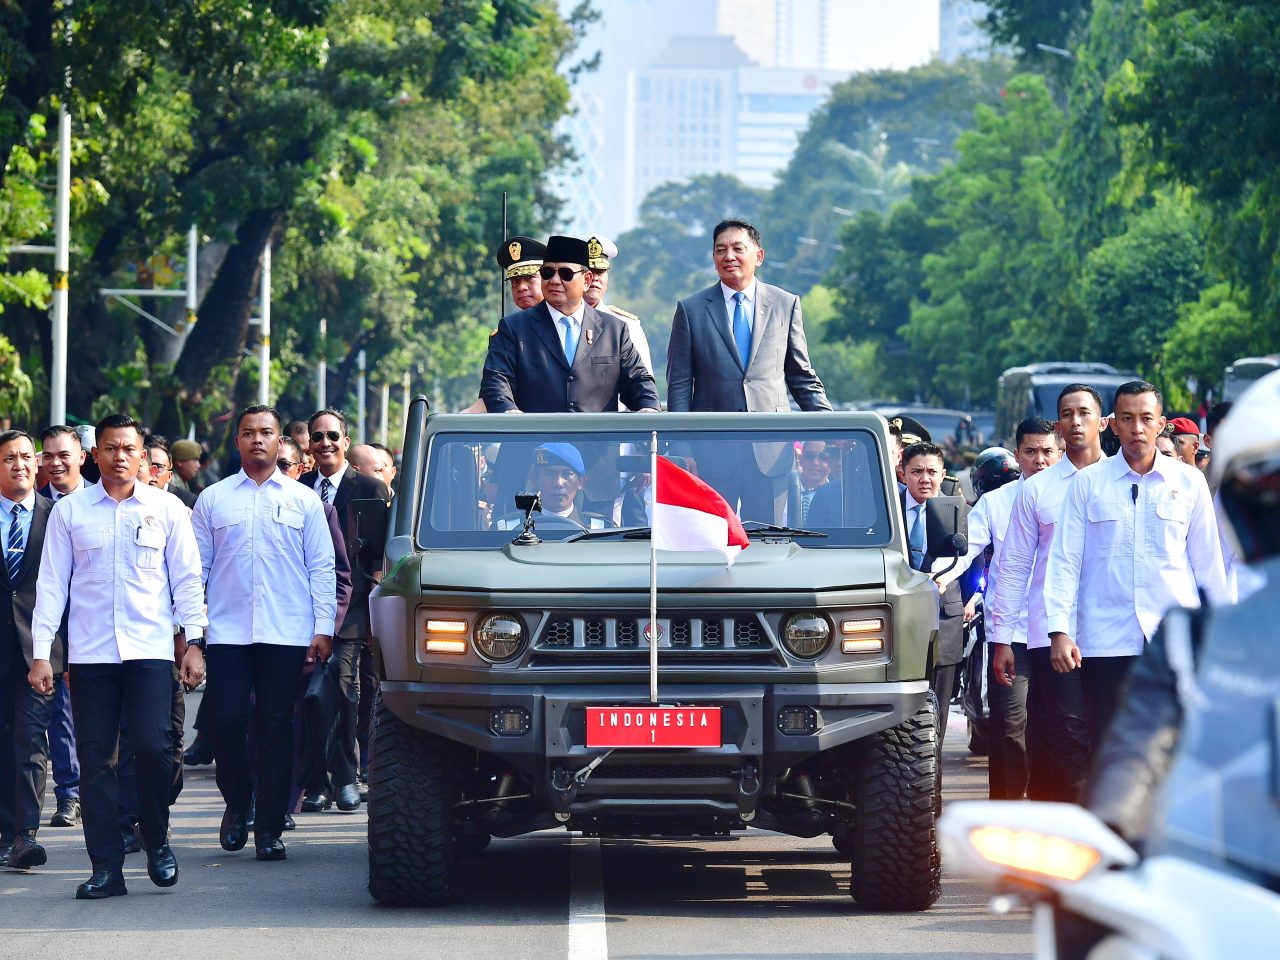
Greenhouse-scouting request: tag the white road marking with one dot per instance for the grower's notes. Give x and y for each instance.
(588, 938)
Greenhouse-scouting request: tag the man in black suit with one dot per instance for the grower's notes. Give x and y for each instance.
(24, 756)
(924, 470)
(62, 455)
(562, 355)
(337, 483)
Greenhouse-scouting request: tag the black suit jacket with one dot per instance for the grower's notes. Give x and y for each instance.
(17, 600)
(950, 606)
(186, 496)
(354, 486)
(526, 369)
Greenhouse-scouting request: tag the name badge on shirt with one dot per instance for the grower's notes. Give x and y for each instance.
(289, 514)
(149, 535)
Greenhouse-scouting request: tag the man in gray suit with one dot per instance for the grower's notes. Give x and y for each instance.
(739, 346)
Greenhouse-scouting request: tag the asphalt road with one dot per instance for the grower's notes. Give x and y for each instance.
(547, 896)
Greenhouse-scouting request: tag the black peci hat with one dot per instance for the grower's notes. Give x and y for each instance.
(567, 250)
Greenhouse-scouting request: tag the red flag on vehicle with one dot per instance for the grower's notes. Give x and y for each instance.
(690, 515)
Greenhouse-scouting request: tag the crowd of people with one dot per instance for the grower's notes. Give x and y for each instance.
(128, 567)
(135, 582)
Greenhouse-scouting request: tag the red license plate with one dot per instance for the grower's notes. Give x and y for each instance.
(653, 727)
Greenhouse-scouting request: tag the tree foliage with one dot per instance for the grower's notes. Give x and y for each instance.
(367, 143)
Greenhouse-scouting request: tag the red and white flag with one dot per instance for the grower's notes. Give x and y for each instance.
(690, 515)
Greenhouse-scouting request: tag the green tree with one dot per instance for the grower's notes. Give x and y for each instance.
(861, 148)
(1204, 92)
(992, 286)
(1134, 284)
(1209, 334)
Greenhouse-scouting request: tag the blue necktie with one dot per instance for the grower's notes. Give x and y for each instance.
(916, 538)
(570, 339)
(741, 329)
(15, 544)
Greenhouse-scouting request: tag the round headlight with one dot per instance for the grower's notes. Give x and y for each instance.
(499, 637)
(806, 635)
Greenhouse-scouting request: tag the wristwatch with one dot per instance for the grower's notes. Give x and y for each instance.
(197, 642)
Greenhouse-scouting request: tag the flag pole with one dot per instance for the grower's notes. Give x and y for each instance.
(653, 573)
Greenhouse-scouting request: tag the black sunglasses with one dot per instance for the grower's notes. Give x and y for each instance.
(566, 274)
(318, 436)
(286, 464)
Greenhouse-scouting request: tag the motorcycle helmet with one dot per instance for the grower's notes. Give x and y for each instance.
(994, 467)
(1245, 466)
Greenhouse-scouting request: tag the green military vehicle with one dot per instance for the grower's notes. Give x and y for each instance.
(513, 647)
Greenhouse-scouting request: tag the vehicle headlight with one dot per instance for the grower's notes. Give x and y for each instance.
(499, 637)
(806, 635)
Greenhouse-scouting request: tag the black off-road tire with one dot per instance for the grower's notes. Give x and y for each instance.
(896, 866)
(412, 855)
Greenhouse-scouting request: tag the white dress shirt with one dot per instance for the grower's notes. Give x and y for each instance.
(988, 526)
(335, 480)
(267, 558)
(127, 567)
(748, 304)
(1016, 597)
(575, 319)
(55, 494)
(1131, 547)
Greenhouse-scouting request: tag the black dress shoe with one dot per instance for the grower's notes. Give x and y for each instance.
(234, 833)
(199, 754)
(289, 823)
(104, 883)
(269, 846)
(131, 842)
(162, 866)
(348, 798)
(4, 851)
(26, 852)
(315, 802)
(67, 815)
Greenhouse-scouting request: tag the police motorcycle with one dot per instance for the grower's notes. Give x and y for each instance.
(1176, 854)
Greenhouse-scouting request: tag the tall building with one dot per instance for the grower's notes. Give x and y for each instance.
(960, 31)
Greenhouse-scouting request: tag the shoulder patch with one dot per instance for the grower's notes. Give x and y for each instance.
(624, 314)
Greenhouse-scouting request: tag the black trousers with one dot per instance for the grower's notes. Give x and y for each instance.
(127, 776)
(262, 679)
(24, 753)
(1103, 680)
(1060, 744)
(1008, 769)
(944, 688)
(143, 691)
(343, 759)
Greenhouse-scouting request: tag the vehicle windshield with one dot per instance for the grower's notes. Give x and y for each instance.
(824, 480)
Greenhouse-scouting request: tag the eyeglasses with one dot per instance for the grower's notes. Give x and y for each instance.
(566, 274)
(286, 465)
(157, 467)
(319, 435)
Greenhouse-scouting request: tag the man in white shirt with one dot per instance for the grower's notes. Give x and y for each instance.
(1008, 769)
(268, 566)
(1057, 739)
(1137, 536)
(124, 555)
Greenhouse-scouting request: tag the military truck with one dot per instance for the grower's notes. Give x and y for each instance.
(513, 647)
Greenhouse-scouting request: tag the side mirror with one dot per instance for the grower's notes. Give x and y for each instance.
(367, 534)
(947, 526)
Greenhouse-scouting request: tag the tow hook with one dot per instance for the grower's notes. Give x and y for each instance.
(748, 790)
(567, 784)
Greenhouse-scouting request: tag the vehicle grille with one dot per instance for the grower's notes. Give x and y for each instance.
(742, 634)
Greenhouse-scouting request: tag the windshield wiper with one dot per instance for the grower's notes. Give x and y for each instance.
(754, 527)
(630, 533)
